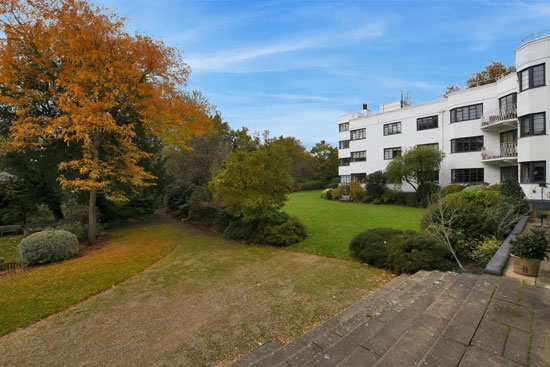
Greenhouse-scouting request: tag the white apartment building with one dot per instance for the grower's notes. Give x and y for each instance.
(488, 133)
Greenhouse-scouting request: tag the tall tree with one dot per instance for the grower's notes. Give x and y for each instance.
(98, 72)
(325, 161)
(300, 159)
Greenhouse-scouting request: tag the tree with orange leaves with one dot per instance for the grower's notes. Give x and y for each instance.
(73, 74)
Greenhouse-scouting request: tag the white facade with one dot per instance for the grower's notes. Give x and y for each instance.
(507, 137)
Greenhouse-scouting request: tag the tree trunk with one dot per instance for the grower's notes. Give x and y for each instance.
(92, 220)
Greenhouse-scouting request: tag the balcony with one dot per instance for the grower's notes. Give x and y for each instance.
(505, 117)
(508, 154)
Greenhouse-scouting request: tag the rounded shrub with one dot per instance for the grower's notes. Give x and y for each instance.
(47, 247)
(450, 189)
(419, 251)
(372, 246)
(240, 230)
(333, 185)
(327, 194)
(484, 251)
(284, 234)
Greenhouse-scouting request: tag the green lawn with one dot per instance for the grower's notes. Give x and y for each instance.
(8, 248)
(331, 225)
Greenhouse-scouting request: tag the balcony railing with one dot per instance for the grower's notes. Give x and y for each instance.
(507, 150)
(504, 113)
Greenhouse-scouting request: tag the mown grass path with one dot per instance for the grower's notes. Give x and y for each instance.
(29, 297)
(205, 304)
(331, 225)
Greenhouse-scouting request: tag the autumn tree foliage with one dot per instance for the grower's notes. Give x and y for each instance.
(72, 73)
(490, 74)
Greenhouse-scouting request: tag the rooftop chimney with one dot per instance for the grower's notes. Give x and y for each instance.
(365, 107)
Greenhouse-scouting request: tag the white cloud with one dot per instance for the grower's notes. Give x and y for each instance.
(231, 59)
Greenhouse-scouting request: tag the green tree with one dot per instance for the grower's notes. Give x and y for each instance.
(300, 159)
(254, 184)
(325, 161)
(417, 167)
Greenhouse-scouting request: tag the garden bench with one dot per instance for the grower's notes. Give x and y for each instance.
(344, 198)
(15, 228)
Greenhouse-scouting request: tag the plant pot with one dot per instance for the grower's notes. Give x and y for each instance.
(527, 267)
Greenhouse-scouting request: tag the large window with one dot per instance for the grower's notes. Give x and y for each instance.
(359, 156)
(344, 162)
(533, 172)
(393, 128)
(344, 144)
(532, 77)
(343, 127)
(358, 134)
(345, 179)
(467, 175)
(361, 177)
(425, 123)
(391, 153)
(466, 113)
(507, 102)
(509, 173)
(434, 146)
(470, 144)
(534, 124)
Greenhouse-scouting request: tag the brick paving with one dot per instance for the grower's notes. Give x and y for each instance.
(428, 319)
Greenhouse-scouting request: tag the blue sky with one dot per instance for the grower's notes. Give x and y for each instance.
(292, 67)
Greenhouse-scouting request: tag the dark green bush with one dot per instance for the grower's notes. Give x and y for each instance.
(372, 246)
(222, 219)
(332, 185)
(280, 234)
(375, 185)
(327, 194)
(47, 247)
(512, 189)
(201, 205)
(450, 189)
(425, 192)
(389, 196)
(419, 251)
(314, 185)
(76, 228)
(238, 229)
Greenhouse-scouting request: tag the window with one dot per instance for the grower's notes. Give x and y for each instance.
(345, 179)
(533, 172)
(391, 153)
(532, 77)
(361, 177)
(470, 144)
(434, 146)
(466, 175)
(358, 134)
(534, 124)
(393, 128)
(344, 162)
(343, 127)
(344, 144)
(507, 102)
(359, 156)
(509, 173)
(467, 113)
(426, 123)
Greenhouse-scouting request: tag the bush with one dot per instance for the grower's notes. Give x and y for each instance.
(372, 246)
(332, 185)
(314, 185)
(280, 234)
(512, 189)
(474, 188)
(48, 247)
(376, 185)
(419, 251)
(201, 206)
(390, 196)
(485, 250)
(533, 245)
(356, 192)
(337, 193)
(238, 229)
(76, 228)
(327, 194)
(450, 189)
(425, 192)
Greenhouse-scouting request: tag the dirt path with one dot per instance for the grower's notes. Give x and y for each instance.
(207, 303)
